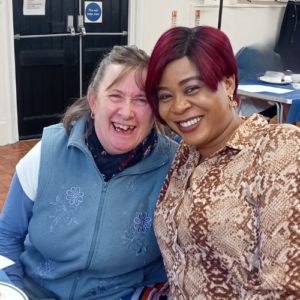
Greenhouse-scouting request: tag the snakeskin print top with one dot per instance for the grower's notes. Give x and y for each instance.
(229, 228)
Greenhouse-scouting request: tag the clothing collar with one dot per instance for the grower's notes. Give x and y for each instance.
(111, 165)
(157, 158)
(245, 133)
(241, 138)
(77, 137)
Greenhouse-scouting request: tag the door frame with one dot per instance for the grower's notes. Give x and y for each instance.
(9, 126)
(136, 23)
(11, 135)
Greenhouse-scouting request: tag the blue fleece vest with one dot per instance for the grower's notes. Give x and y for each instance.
(90, 239)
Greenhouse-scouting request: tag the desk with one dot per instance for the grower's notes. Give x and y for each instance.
(278, 99)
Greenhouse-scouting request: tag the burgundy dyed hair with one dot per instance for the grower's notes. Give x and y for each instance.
(208, 48)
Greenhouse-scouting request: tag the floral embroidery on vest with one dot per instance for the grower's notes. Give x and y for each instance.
(103, 286)
(132, 241)
(45, 269)
(43, 272)
(142, 223)
(132, 237)
(66, 209)
(74, 196)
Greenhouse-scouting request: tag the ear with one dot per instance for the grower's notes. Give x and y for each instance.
(92, 102)
(229, 84)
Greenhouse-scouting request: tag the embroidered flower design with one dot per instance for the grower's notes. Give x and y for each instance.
(74, 196)
(103, 286)
(130, 241)
(65, 213)
(45, 269)
(142, 223)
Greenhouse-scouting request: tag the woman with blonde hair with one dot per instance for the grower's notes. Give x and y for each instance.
(86, 194)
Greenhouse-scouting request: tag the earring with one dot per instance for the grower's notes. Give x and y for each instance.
(92, 115)
(232, 103)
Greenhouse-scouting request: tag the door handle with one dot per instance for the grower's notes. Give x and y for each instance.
(70, 25)
(80, 25)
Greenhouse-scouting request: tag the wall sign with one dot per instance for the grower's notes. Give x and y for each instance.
(197, 17)
(93, 12)
(174, 18)
(34, 7)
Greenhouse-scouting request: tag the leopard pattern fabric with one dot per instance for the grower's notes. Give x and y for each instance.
(229, 228)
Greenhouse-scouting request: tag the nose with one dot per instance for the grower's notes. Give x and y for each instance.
(180, 105)
(127, 110)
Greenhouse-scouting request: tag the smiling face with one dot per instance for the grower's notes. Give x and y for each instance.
(123, 117)
(202, 117)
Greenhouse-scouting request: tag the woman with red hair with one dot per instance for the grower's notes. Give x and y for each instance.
(227, 220)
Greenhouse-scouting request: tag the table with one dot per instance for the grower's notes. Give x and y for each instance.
(292, 98)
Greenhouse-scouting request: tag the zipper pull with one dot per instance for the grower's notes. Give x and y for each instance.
(105, 186)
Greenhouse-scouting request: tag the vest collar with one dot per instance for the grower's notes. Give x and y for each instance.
(157, 158)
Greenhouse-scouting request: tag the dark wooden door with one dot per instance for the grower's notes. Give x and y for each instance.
(47, 68)
(115, 19)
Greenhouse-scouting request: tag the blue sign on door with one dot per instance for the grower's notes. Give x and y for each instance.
(93, 12)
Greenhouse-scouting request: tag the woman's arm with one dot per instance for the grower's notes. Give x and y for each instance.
(279, 209)
(14, 221)
(17, 212)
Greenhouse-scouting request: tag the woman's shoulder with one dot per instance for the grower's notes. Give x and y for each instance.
(280, 146)
(55, 129)
(282, 132)
(166, 145)
(259, 130)
(28, 171)
(29, 166)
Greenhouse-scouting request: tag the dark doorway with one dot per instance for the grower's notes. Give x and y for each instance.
(47, 68)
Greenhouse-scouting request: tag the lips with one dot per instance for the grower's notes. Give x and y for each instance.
(190, 124)
(122, 128)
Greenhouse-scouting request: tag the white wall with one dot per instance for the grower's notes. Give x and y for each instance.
(245, 24)
(8, 113)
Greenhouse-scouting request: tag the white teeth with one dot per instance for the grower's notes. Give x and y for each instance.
(191, 122)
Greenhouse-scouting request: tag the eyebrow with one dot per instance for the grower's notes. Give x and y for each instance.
(181, 82)
(188, 79)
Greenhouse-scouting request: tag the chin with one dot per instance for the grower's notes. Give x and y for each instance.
(121, 149)
(192, 142)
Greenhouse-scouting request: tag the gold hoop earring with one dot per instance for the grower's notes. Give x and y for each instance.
(232, 103)
(92, 115)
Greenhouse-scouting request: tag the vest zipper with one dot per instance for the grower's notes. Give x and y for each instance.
(96, 230)
(75, 284)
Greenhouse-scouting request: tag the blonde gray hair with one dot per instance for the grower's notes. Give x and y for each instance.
(130, 57)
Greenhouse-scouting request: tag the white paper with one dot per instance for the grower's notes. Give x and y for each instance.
(262, 88)
(5, 262)
(34, 7)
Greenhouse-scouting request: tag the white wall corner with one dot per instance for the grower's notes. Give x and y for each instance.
(9, 121)
(136, 23)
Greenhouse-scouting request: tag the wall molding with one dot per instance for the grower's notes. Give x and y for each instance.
(136, 23)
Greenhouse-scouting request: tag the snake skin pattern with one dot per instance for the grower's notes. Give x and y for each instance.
(228, 228)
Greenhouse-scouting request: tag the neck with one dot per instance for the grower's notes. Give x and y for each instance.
(219, 142)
